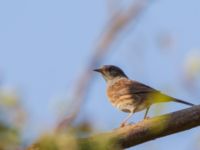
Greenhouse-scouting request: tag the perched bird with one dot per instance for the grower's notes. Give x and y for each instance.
(129, 95)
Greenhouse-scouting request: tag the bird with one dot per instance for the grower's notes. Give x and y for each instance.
(131, 96)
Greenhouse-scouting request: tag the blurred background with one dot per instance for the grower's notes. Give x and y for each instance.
(48, 50)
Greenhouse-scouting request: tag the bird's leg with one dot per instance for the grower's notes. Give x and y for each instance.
(147, 110)
(126, 119)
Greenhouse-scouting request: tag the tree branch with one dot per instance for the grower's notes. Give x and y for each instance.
(150, 129)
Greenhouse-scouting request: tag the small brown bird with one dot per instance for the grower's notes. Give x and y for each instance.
(129, 95)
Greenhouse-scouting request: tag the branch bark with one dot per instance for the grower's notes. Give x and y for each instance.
(150, 129)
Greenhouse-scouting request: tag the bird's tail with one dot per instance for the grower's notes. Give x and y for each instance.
(160, 97)
(183, 102)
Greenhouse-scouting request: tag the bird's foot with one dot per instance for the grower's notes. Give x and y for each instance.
(123, 124)
(146, 118)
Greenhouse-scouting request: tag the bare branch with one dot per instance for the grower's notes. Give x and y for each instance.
(150, 129)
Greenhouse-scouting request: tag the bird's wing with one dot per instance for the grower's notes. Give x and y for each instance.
(138, 88)
(150, 93)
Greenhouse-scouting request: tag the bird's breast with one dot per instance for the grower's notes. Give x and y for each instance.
(120, 96)
(117, 91)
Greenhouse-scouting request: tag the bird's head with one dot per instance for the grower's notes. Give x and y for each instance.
(110, 72)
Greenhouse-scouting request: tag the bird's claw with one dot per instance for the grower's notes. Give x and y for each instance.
(146, 118)
(123, 124)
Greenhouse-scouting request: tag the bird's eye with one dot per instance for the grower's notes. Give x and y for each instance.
(113, 71)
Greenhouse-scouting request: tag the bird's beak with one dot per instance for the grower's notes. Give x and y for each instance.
(98, 70)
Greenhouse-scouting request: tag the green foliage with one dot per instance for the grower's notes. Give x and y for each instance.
(10, 121)
(9, 138)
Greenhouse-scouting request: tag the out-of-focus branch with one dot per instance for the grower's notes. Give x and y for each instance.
(113, 29)
(113, 6)
(149, 129)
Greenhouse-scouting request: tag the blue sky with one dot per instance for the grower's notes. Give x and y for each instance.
(45, 45)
